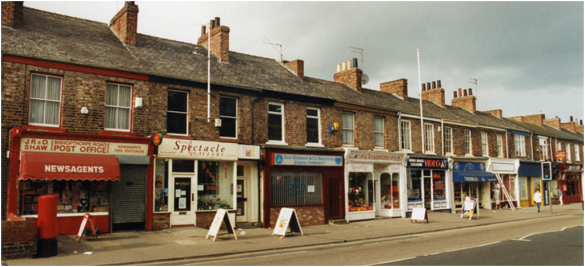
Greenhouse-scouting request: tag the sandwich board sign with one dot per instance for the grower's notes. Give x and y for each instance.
(468, 207)
(87, 217)
(287, 218)
(220, 216)
(419, 214)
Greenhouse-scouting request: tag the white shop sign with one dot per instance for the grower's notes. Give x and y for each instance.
(353, 167)
(82, 147)
(248, 152)
(193, 149)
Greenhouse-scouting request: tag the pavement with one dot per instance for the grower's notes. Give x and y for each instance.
(181, 243)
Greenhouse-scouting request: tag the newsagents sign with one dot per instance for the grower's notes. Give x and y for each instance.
(281, 159)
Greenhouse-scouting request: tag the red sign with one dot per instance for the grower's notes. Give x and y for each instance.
(561, 155)
(157, 139)
(60, 166)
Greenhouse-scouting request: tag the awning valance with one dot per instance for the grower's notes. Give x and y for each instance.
(62, 166)
(473, 176)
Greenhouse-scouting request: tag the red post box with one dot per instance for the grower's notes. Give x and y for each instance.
(47, 225)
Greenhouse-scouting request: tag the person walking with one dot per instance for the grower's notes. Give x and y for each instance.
(537, 198)
(497, 196)
(560, 193)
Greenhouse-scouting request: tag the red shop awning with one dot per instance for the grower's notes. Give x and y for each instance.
(61, 166)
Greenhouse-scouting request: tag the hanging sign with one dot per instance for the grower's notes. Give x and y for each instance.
(560, 155)
(83, 225)
(468, 207)
(220, 216)
(287, 218)
(419, 214)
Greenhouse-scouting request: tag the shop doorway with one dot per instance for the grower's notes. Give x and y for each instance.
(242, 198)
(335, 198)
(182, 199)
(427, 189)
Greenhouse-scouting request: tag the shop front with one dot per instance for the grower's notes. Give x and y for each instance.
(249, 182)
(104, 176)
(426, 183)
(471, 179)
(507, 169)
(374, 184)
(571, 183)
(308, 180)
(192, 179)
(530, 179)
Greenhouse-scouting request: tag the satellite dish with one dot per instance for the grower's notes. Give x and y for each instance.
(365, 79)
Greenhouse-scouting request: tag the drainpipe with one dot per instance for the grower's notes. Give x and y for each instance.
(259, 167)
(531, 146)
(443, 136)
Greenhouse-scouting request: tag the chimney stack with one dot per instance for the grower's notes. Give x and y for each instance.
(495, 112)
(125, 23)
(555, 122)
(12, 12)
(435, 95)
(466, 102)
(398, 87)
(297, 66)
(537, 119)
(350, 76)
(571, 125)
(220, 39)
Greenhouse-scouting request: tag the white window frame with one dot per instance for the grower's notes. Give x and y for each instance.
(318, 118)
(230, 117)
(179, 112)
(499, 145)
(429, 138)
(345, 129)
(543, 145)
(377, 133)
(118, 107)
(282, 123)
(467, 142)
(448, 140)
(568, 150)
(405, 136)
(520, 145)
(485, 150)
(577, 153)
(45, 100)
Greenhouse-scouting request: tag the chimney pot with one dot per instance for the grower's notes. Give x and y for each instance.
(459, 92)
(338, 67)
(470, 92)
(349, 67)
(571, 118)
(581, 122)
(202, 30)
(220, 40)
(429, 86)
(343, 67)
(355, 63)
(212, 24)
(434, 85)
(423, 86)
(217, 21)
(439, 83)
(454, 94)
(464, 92)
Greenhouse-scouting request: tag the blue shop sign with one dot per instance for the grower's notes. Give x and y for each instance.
(471, 172)
(281, 159)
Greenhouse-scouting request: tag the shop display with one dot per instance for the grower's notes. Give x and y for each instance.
(215, 185)
(359, 193)
(73, 196)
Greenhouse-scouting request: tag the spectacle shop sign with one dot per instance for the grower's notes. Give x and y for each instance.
(193, 149)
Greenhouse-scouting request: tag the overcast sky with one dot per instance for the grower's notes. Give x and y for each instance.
(526, 56)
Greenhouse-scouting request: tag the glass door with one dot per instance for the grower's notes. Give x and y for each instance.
(182, 195)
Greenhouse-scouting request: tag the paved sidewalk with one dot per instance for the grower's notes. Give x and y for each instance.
(135, 247)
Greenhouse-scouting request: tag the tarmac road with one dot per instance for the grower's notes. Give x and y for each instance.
(484, 245)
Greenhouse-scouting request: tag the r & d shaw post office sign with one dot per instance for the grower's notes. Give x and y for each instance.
(82, 147)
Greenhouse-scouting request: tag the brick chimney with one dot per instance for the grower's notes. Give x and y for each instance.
(580, 128)
(436, 94)
(125, 23)
(398, 87)
(296, 66)
(571, 125)
(12, 12)
(555, 123)
(495, 112)
(349, 74)
(220, 39)
(537, 119)
(466, 102)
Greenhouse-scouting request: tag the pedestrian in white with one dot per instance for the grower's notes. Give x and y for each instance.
(537, 198)
(497, 195)
(560, 193)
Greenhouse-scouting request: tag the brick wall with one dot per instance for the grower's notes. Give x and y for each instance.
(465, 102)
(351, 78)
(309, 215)
(399, 87)
(12, 12)
(18, 238)
(161, 221)
(125, 23)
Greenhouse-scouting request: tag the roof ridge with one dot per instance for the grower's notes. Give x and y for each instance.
(65, 16)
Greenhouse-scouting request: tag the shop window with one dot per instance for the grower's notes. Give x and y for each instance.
(313, 132)
(276, 122)
(523, 187)
(74, 196)
(361, 192)
(390, 198)
(439, 185)
(467, 141)
(405, 140)
(215, 185)
(448, 140)
(499, 145)
(161, 186)
(414, 185)
(118, 102)
(379, 131)
(45, 100)
(177, 112)
(228, 113)
(296, 188)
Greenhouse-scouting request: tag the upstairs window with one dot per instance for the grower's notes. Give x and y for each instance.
(348, 130)
(484, 144)
(429, 138)
(499, 144)
(379, 132)
(45, 100)
(228, 113)
(568, 150)
(276, 122)
(519, 141)
(118, 107)
(577, 153)
(177, 112)
(405, 139)
(448, 140)
(313, 126)
(467, 135)
(543, 144)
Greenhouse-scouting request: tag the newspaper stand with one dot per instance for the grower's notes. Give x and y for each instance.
(86, 218)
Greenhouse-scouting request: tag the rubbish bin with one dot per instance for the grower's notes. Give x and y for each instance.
(47, 226)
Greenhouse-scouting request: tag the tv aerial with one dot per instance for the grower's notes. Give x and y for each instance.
(365, 78)
(274, 46)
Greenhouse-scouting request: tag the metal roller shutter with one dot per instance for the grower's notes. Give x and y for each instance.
(130, 195)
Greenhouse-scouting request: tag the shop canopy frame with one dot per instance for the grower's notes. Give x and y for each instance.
(63, 166)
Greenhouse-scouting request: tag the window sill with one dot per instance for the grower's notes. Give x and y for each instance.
(431, 153)
(229, 140)
(117, 133)
(381, 149)
(177, 136)
(314, 145)
(277, 143)
(43, 128)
